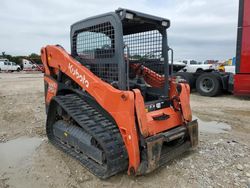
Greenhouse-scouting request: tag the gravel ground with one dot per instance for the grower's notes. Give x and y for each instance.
(28, 160)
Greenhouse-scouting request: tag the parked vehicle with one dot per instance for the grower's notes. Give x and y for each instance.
(4, 59)
(30, 65)
(193, 66)
(6, 65)
(238, 81)
(178, 65)
(27, 65)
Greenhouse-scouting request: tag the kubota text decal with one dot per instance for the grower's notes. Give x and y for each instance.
(77, 75)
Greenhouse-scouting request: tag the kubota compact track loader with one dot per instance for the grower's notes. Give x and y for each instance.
(113, 104)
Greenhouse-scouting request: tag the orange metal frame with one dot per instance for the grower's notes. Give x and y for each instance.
(123, 106)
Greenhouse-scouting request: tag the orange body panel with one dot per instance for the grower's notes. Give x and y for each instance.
(155, 127)
(123, 106)
(185, 102)
(149, 126)
(52, 89)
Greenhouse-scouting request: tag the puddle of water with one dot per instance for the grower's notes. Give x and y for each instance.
(13, 152)
(212, 126)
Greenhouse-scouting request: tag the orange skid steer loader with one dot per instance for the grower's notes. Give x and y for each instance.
(113, 103)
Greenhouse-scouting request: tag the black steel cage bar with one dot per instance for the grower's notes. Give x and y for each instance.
(166, 62)
(97, 43)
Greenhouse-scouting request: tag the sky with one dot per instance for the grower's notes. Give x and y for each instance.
(200, 29)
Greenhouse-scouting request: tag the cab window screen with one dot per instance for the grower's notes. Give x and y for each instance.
(96, 42)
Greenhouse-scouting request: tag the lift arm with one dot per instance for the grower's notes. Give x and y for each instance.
(151, 77)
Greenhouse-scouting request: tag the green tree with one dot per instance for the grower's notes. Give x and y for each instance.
(35, 57)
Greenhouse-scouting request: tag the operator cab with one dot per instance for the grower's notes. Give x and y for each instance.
(110, 43)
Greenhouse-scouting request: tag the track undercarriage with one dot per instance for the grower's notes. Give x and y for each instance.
(87, 134)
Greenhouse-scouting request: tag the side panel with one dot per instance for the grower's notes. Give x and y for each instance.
(246, 18)
(242, 84)
(242, 77)
(185, 102)
(245, 50)
(51, 88)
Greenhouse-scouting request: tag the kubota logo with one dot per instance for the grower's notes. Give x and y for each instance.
(52, 88)
(77, 75)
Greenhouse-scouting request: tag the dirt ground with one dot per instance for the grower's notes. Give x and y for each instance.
(28, 160)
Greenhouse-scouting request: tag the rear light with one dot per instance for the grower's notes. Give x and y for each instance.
(129, 16)
(164, 23)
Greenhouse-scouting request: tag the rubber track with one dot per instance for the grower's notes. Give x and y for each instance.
(101, 128)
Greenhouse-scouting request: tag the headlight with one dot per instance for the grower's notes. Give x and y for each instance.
(129, 16)
(164, 23)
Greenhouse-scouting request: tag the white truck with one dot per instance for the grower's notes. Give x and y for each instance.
(193, 66)
(27, 65)
(6, 65)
